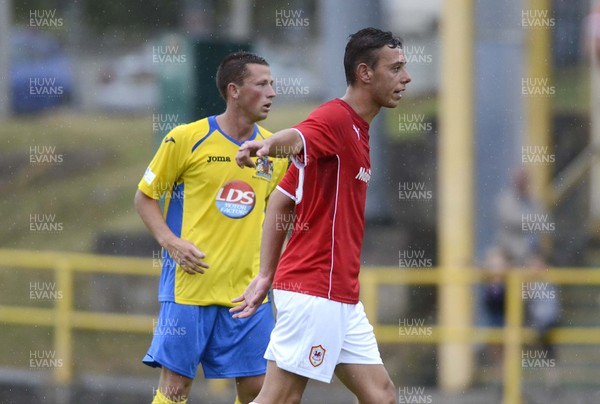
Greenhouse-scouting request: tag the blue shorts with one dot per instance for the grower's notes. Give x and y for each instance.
(186, 335)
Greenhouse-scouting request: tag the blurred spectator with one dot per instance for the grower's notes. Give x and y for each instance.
(516, 207)
(543, 308)
(591, 35)
(494, 295)
(496, 264)
(543, 312)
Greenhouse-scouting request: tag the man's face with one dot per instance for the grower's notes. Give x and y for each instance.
(390, 77)
(256, 94)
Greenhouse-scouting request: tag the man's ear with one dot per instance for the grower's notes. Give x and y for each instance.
(233, 91)
(364, 72)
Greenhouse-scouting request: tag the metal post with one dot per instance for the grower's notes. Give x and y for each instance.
(63, 340)
(539, 113)
(5, 27)
(594, 33)
(241, 16)
(512, 340)
(456, 188)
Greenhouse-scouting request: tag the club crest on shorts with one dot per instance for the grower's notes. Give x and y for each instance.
(317, 354)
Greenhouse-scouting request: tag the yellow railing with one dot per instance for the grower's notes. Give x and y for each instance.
(512, 336)
(64, 318)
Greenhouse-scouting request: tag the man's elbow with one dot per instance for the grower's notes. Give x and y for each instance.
(139, 201)
(136, 199)
(298, 143)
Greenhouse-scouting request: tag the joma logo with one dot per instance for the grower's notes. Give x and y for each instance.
(218, 159)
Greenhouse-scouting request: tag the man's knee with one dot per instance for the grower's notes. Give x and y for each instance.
(384, 393)
(388, 393)
(174, 386)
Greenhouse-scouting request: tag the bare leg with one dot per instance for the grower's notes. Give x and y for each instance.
(370, 383)
(174, 386)
(281, 386)
(248, 387)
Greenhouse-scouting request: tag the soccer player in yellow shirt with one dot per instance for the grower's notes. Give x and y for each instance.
(210, 233)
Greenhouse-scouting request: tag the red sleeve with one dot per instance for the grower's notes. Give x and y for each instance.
(289, 183)
(320, 134)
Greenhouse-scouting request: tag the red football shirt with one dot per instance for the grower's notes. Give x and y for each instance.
(329, 184)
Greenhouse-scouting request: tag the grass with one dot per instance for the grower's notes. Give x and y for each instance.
(90, 190)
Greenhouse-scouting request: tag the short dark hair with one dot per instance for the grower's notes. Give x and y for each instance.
(233, 70)
(362, 48)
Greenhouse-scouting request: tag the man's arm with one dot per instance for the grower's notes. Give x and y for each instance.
(184, 252)
(280, 208)
(285, 143)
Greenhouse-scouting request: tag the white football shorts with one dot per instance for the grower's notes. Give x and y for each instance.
(313, 335)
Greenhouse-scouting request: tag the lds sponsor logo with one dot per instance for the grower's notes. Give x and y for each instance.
(236, 199)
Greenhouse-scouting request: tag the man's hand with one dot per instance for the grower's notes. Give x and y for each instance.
(187, 255)
(183, 252)
(250, 149)
(252, 298)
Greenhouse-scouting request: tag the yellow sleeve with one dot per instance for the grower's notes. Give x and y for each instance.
(168, 164)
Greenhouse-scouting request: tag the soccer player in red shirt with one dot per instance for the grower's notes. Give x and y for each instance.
(321, 325)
